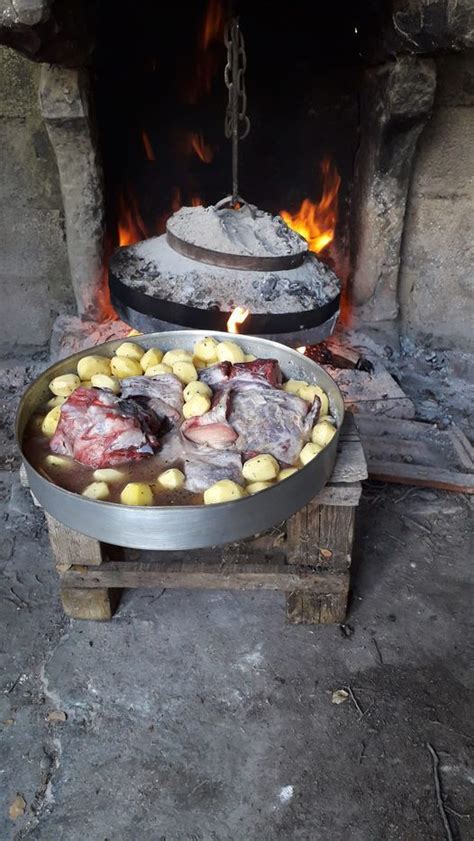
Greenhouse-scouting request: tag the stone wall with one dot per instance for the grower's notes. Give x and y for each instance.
(436, 282)
(34, 270)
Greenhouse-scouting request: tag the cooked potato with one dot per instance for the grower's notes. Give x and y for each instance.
(261, 468)
(223, 491)
(55, 401)
(249, 357)
(309, 392)
(293, 386)
(206, 349)
(57, 461)
(185, 371)
(108, 474)
(137, 493)
(322, 433)
(199, 364)
(151, 357)
(229, 352)
(123, 367)
(87, 383)
(197, 387)
(90, 365)
(96, 490)
(196, 406)
(64, 385)
(129, 350)
(171, 479)
(309, 451)
(255, 487)
(177, 355)
(286, 472)
(161, 368)
(104, 381)
(50, 421)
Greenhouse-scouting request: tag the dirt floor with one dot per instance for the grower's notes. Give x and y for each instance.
(197, 716)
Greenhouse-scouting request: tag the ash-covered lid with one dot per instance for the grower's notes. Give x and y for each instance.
(246, 232)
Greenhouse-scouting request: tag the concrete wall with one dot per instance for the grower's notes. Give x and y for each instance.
(34, 271)
(436, 284)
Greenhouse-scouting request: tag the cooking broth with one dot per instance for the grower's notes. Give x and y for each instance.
(76, 476)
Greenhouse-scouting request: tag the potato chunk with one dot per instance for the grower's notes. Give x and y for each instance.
(293, 386)
(230, 352)
(223, 491)
(199, 364)
(197, 387)
(196, 406)
(309, 451)
(249, 357)
(286, 472)
(255, 487)
(55, 401)
(309, 392)
(107, 474)
(64, 385)
(206, 349)
(151, 357)
(177, 355)
(185, 371)
(137, 493)
(90, 365)
(50, 421)
(161, 368)
(123, 367)
(52, 460)
(322, 433)
(96, 490)
(104, 381)
(261, 468)
(130, 350)
(171, 479)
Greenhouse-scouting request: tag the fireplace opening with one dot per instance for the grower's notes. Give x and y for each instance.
(161, 102)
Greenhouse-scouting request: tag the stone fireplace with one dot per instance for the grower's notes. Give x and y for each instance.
(105, 137)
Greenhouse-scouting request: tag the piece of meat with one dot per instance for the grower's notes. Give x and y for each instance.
(204, 466)
(164, 393)
(260, 370)
(97, 430)
(212, 428)
(269, 420)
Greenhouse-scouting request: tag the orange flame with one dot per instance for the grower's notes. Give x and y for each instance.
(213, 24)
(204, 152)
(131, 227)
(237, 317)
(150, 155)
(301, 349)
(316, 222)
(207, 62)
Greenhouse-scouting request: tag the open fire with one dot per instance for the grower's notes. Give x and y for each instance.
(316, 221)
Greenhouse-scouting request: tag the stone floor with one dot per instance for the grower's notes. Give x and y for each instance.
(197, 716)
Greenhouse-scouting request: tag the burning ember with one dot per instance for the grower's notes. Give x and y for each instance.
(237, 317)
(131, 227)
(316, 222)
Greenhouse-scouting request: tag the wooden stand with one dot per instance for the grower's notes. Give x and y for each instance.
(308, 557)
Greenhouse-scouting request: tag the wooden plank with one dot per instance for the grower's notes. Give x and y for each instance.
(350, 465)
(87, 604)
(417, 453)
(206, 576)
(313, 609)
(376, 392)
(321, 536)
(71, 547)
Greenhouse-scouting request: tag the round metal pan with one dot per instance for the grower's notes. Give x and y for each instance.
(241, 262)
(190, 526)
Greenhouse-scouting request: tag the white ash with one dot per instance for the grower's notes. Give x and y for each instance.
(154, 268)
(247, 231)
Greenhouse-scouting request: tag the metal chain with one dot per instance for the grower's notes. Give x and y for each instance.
(237, 124)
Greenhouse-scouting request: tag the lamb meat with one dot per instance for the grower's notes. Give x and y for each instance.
(212, 429)
(101, 430)
(204, 466)
(269, 420)
(164, 393)
(260, 370)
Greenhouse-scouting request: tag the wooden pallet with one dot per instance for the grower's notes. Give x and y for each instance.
(308, 558)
